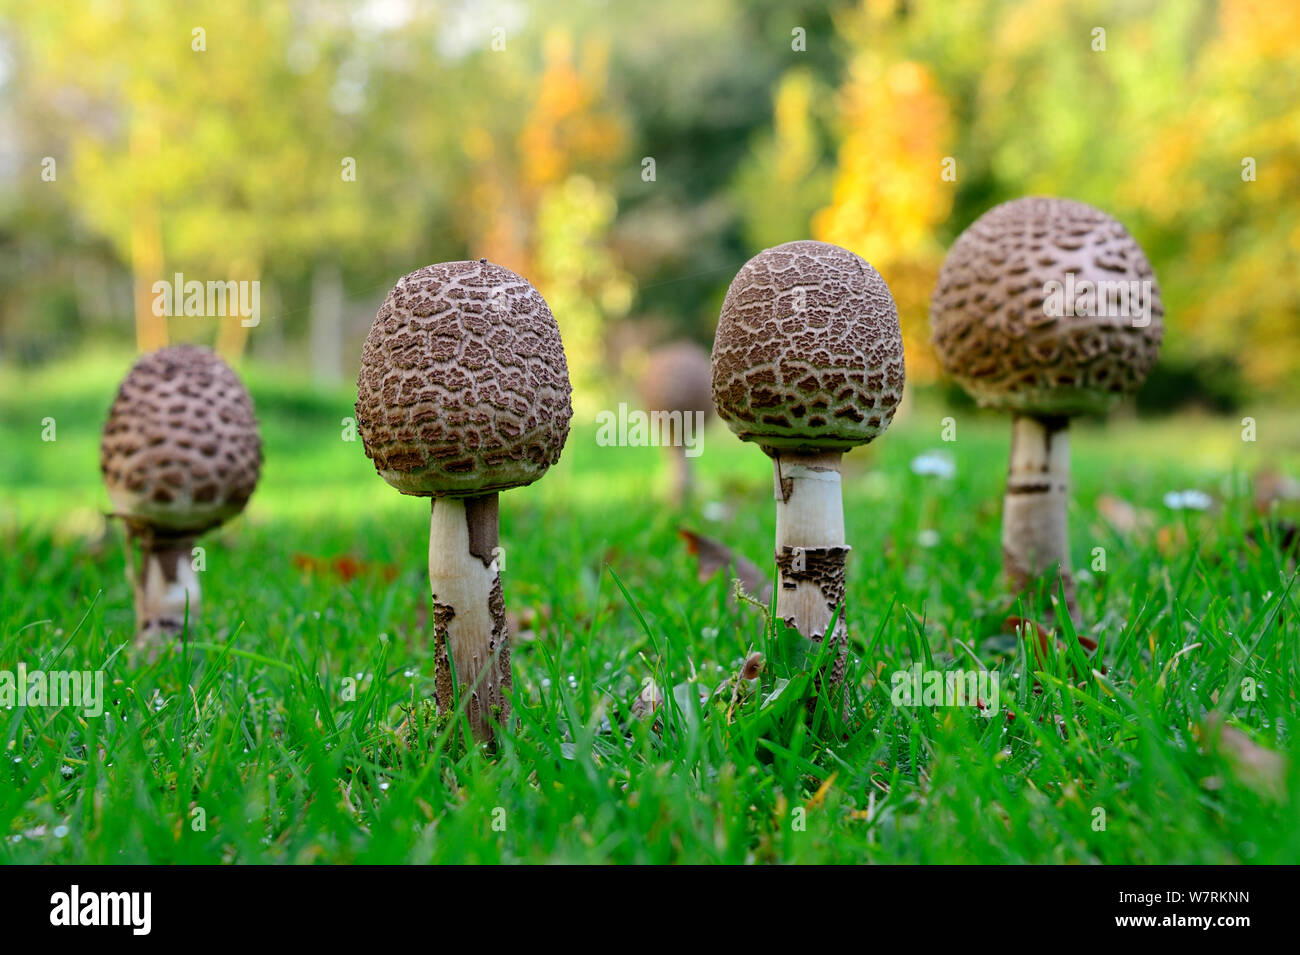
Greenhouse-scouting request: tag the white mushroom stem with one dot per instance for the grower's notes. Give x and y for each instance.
(1035, 532)
(810, 546)
(682, 475)
(165, 584)
(471, 642)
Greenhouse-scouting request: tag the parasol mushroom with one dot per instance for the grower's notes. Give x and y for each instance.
(464, 392)
(1045, 308)
(180, 454)
(677, 382)
(808, 363)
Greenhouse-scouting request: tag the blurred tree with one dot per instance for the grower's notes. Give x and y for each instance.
(890, 193)
(1157, 112)
(788, 175)
(216, 141)
(629, 158)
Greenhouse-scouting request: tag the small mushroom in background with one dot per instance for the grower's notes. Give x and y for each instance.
(808, 363)
(180, 455)
(464, 392)
(999, 333)
(677, 382)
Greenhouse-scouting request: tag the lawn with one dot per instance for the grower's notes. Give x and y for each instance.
(289, 727)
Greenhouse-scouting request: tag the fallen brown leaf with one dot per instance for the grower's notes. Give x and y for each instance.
(714, 556)
(343, 566)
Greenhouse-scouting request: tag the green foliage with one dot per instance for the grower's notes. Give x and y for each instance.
(249, 721)
(766, 121)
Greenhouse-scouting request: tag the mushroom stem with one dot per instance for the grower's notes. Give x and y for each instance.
(810, 546)
(1035, 532)
(165, 584)
(682, 477)
(471, 642)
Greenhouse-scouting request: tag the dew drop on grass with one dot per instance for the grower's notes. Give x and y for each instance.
(60, 832)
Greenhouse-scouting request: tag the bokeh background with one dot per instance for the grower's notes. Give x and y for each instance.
(133, 147)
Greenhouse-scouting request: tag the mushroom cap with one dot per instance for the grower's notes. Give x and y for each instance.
(463, 387)
(180, 450)
(990, 318)
(678, 377)
(808, 355)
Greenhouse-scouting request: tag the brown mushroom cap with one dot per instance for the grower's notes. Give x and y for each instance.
(463, 386)
(808, 354)
(994, 334)
(678, 377)
(180, 450)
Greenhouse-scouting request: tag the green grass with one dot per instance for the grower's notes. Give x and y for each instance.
(250, 724)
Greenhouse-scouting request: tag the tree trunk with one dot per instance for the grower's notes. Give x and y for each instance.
(326, 338)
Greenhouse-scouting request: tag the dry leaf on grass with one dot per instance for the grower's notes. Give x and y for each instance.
(714, 556)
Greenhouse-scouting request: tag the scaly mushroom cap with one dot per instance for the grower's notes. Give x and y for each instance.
(995, 332)
(180, 450)
(463, 386)
(678, 377)
(808, 354)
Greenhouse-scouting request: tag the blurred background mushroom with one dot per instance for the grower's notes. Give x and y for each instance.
(180, 454)
(808, 363)
(1047, 309)
(677, 381)
(464, 392)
